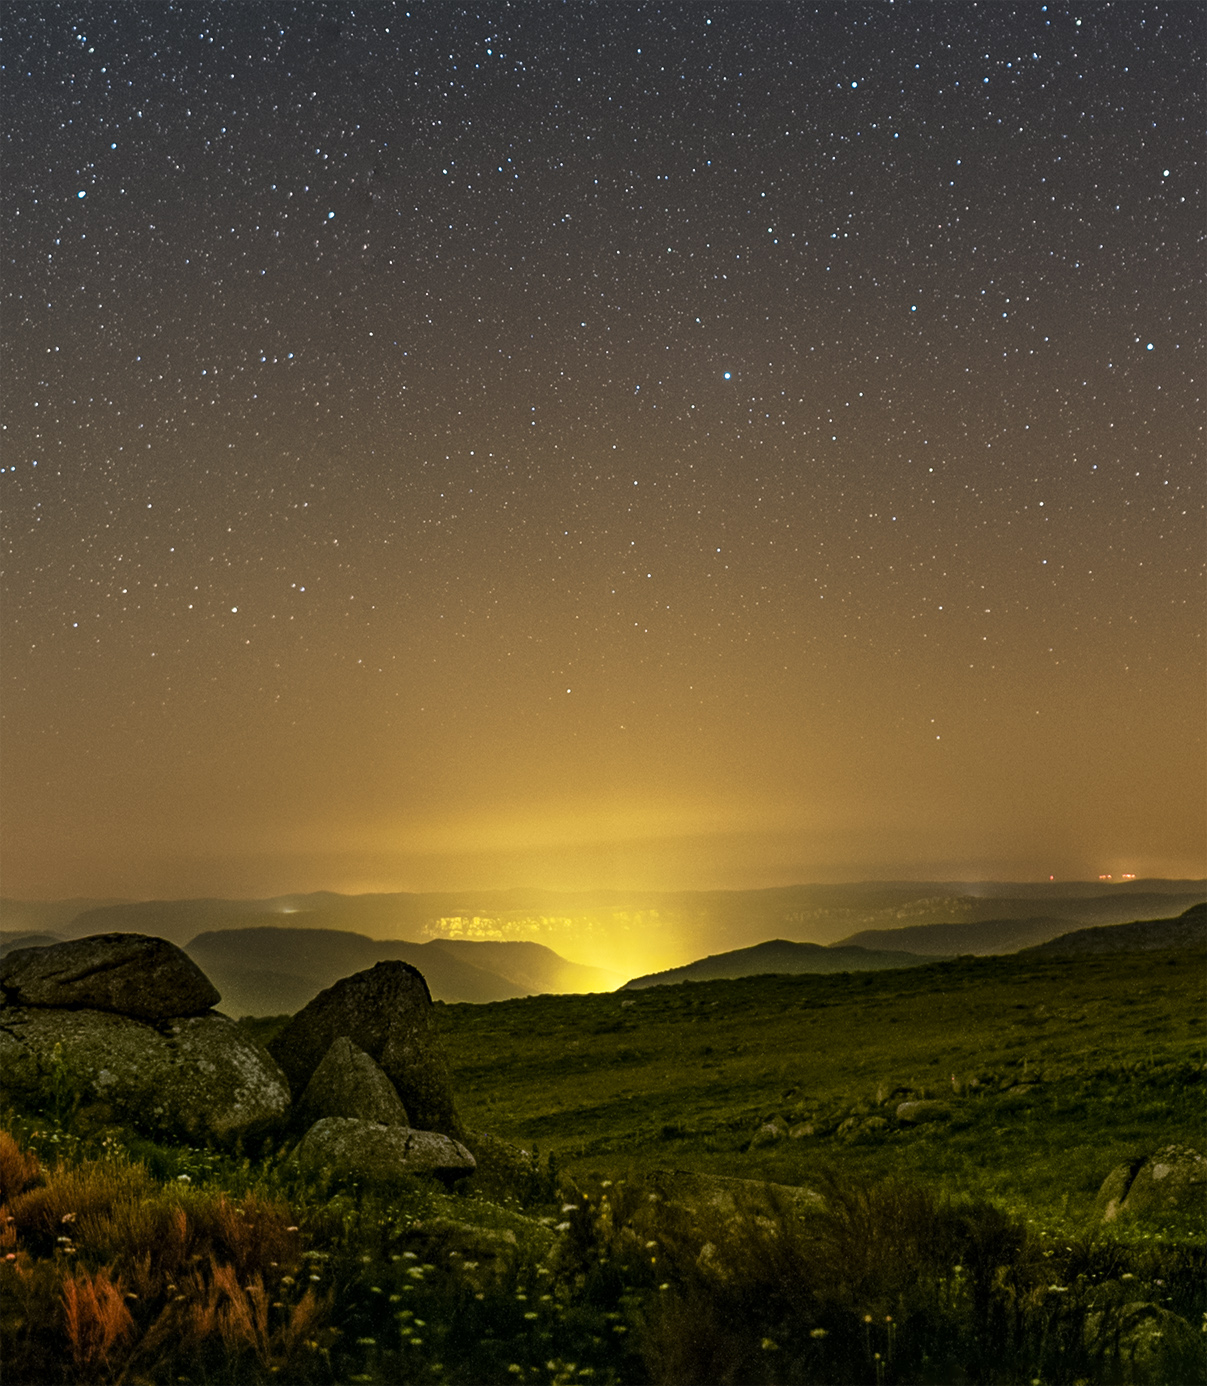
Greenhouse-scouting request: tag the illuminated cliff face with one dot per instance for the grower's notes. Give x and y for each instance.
(725, 453)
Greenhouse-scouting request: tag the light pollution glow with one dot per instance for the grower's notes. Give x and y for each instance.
(781, 464)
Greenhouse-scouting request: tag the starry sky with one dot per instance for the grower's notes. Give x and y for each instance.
(581, 445)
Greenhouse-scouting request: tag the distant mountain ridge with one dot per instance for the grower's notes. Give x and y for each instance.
(995, 936)
(779, 955)
(643, 931)
(1187, 930)
(268, 969)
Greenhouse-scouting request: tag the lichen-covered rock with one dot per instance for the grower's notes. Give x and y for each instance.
(386, 1011)
(193, 1076)
(128, 974)
(380, 1154)
(1114, 1189)
(1142, 1342)
(347, 1083)
(914, 1113)
(1172, 1179)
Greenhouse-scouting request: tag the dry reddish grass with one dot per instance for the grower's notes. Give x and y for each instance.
(116, 1275)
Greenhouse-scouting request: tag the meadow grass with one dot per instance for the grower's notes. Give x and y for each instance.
(958, 1251)
(1056, 1070)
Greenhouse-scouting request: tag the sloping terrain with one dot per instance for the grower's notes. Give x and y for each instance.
(980, 938)
(1049, 1072)
(530, 965)
(1188, 930)
(778, 956)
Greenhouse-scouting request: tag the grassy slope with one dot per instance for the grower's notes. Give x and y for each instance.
(683, 1075)
(779, 955)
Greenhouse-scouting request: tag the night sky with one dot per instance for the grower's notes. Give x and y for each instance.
(592, 445)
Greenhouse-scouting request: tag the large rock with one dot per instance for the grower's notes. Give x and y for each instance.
(130, 974)
(380, 1154)
(349, 1084)
(1172, 1179)
(387, 1012)
(193, 1076)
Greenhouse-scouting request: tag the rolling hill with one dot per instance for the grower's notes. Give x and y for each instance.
(981, 938)
(266, 969)
(778, 956)
(1188, 930)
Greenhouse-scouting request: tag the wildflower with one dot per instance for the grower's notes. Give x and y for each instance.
(817, 1333)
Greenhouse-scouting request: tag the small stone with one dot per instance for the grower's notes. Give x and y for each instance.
(1114, 1190)
(915, 1113)
(770, 1132)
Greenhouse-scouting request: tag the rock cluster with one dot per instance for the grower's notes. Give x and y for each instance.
(126, 1020)
(386, 1012)
(370, 1080)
